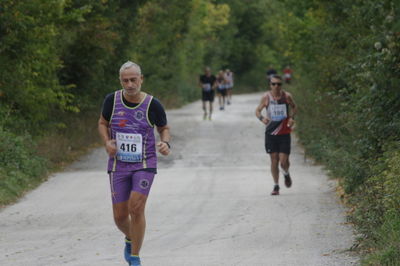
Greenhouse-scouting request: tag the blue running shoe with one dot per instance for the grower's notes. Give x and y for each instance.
(127, 250)
(135, 261)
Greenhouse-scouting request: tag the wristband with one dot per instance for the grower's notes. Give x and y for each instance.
(166, 142)
(261, 118)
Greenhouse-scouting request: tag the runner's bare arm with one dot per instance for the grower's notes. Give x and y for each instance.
(110, 144)
(214, 86)
(163, 145)
(263, 103)
(293, 109)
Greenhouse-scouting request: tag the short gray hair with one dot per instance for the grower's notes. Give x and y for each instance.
(130, 64)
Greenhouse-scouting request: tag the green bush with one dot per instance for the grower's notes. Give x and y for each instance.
(29, 60)
(20, 167)
(377, 208)
(386, 248)
(347, 57)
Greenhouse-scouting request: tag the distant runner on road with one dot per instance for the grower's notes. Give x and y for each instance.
(229, 84)
(279, 122)
(207, 83)
(221, 89)
(126, 126)
(287, 74)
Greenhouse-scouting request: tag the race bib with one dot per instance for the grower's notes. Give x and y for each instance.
(206, 86)
(278, 112)
(129, 147)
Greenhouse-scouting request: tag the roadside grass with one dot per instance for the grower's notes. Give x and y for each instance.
(386, 243)
(63, 145)
(25, 163)
(370, 184)
(20, 167)
(377, 213)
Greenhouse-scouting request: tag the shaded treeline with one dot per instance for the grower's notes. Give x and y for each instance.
(347, 59)
(58, 59)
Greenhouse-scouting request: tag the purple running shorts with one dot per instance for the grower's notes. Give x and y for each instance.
(122, 183)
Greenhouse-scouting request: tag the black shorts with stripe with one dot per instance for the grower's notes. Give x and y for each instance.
(277, 143)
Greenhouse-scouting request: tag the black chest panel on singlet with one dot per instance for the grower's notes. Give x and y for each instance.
(157, 114)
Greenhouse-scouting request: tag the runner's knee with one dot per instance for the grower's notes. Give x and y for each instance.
(137, 204)
(120, 215)
(136, 214)
(284, 160)
(285, 164)
(120, 219)
(274, 159)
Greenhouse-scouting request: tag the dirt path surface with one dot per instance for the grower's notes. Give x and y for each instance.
(210, 204)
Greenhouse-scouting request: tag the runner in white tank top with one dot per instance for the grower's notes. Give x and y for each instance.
(279, 123)
(229, 85)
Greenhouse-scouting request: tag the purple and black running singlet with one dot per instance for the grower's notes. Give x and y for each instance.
(134, 134)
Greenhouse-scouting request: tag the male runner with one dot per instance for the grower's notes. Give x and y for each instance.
(279, 122)
(126, 126)
(207, 82)
(270, 72)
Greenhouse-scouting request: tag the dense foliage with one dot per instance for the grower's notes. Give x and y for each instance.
(347, 58)
(172, 40)
(58, 59)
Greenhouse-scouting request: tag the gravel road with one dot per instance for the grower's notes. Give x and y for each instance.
(210, 204)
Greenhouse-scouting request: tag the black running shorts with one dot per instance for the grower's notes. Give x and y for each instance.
(222, 92)
(277, 143)
(207, 96)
